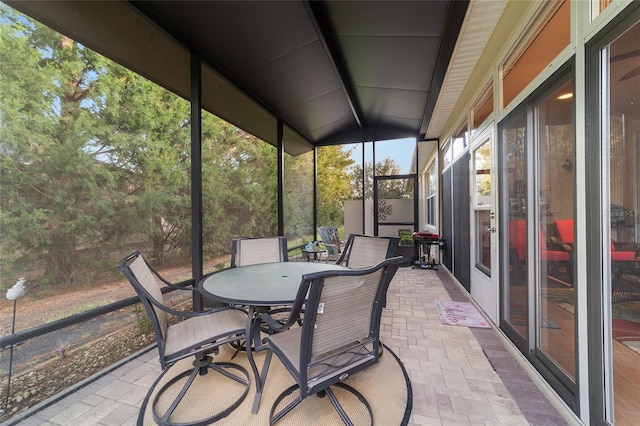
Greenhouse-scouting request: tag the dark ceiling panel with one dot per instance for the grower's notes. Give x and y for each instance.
(332, 71)
(392, 102)
(388, 18)
(316, 114)
(294, 79)
(240, 36)
(382, 61)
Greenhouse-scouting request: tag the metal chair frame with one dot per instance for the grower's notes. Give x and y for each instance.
(226, 325)
(363, 251)
(262, 250)
(325, 351)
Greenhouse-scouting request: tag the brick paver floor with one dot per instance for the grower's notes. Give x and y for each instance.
(459, 375)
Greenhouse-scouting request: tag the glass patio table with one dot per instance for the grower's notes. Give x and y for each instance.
(265, 284)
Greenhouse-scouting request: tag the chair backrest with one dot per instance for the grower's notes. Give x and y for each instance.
(251, 251)
(144, 279)
(564, 227)
(363, 251)
(341, 327)
(330, 239)
(518, 238)
(329, 234)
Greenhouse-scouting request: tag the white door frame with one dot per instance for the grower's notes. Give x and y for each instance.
(484, 283)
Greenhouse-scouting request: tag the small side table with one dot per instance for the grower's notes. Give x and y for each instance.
(314, 254)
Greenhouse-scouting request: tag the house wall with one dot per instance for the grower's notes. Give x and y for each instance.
(518, 19)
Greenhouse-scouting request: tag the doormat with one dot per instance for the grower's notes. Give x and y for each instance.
(460, 313)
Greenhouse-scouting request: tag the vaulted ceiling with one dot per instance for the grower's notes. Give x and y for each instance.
(332, 71)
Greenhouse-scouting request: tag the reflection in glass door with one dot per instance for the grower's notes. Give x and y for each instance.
(514, 252)
(554, 210)
(537, 190)
(621, 123)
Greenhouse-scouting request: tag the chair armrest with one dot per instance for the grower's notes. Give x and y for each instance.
(184, 285)
(278, 326)
(556, 245)
(191, 314)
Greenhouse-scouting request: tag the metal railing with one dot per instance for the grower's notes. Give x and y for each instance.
(22, 336)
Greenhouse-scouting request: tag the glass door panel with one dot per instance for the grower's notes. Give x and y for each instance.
(622, 125)
(484, 283)
(482, 206)
(555, 146)
(514, 224)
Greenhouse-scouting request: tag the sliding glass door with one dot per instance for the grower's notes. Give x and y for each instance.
(553, 208)
(618, 62)
(537, 199)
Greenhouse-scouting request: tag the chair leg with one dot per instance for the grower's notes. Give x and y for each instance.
(200, 367)
(260, 382)
(336, 404)
(274, 418)
(164, 419)
(326, 392)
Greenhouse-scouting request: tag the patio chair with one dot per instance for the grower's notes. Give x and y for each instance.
(363, 251)
(564, 229)
(338, 338)
(331, 241)
(557, 254)
(198, 335)
(251, 251)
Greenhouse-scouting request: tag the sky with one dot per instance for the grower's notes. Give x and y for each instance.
(400, 150)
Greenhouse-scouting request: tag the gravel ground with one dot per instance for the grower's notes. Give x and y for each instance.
(48, 364)
(56, 373)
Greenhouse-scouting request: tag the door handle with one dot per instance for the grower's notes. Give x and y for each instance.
(491, 229)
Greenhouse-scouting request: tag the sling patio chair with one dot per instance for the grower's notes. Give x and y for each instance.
(556, 254)
(200, 334)
(625, 264)
(620, 252)
(251, 251)
(339, 337)
(331, 241)
(362, 251)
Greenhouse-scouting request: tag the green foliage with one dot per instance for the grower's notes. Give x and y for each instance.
(334, 184)
(239, 185)
(143, 323)
(298, 194)
(96, 161)
(55, 199)
(393, 189)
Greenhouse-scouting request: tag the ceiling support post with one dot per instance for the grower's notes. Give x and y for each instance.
(280, 137)
(196, 176)
(315, 191)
